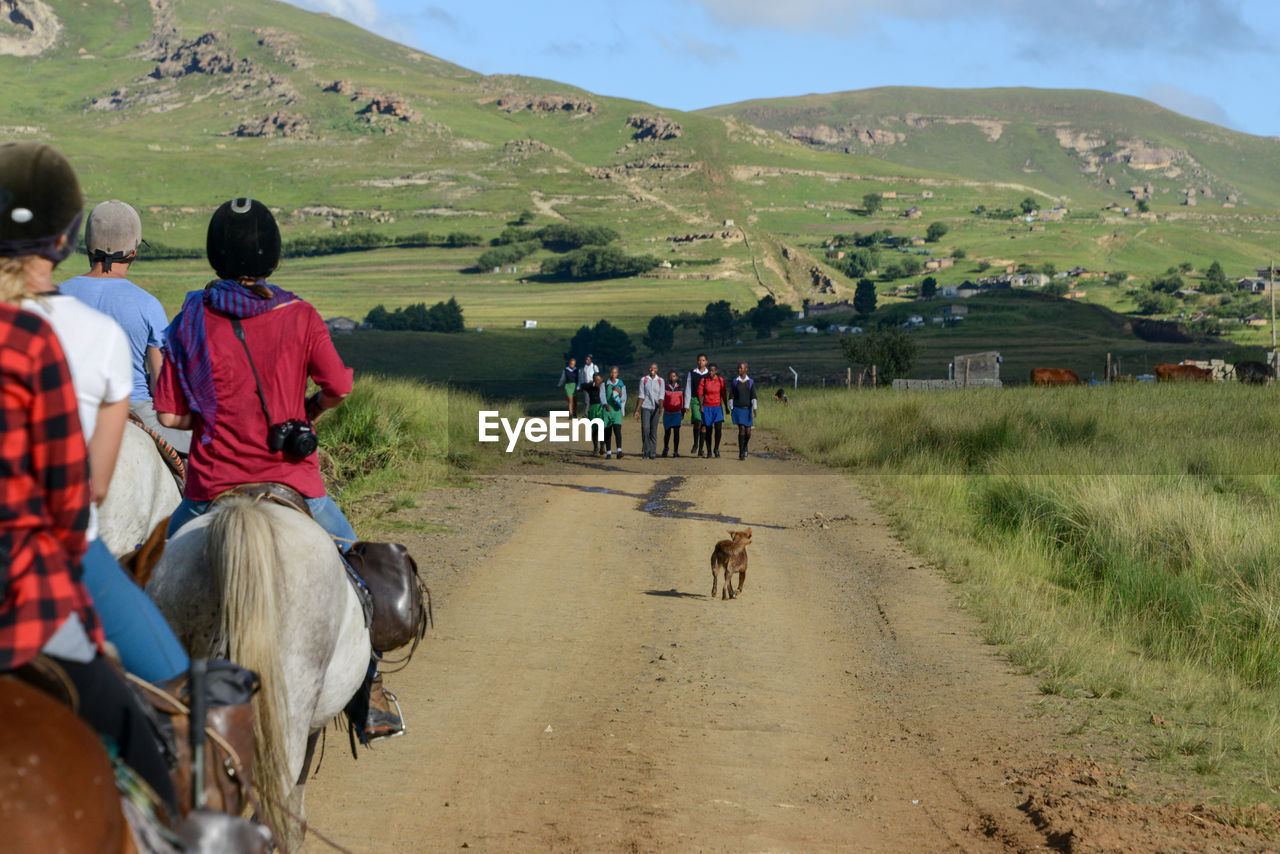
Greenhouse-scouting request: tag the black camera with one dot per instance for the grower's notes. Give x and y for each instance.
(295, 437)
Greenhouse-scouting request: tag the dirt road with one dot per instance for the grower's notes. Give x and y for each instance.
(581, 692)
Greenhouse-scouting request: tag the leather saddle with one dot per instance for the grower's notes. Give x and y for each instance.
(276, 493)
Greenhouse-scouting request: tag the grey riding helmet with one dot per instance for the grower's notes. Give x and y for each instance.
(112, 233)
(243, 240)
(40, 202)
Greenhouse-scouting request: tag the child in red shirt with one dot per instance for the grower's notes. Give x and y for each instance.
(712, 392)
(672, 413)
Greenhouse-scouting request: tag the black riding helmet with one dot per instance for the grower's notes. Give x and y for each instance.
(40, 201)
(243, 241)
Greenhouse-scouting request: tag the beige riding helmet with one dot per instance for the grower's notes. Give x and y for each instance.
(112, 233)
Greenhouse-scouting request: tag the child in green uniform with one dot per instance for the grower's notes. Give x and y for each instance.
(595, 411)
(614, 398)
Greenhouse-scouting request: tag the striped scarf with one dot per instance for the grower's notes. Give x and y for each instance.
(187, 346)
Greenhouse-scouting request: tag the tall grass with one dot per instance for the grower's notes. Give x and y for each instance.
(391, 436)
(1118, 542)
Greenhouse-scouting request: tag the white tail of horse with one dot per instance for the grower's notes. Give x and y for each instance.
(246, 565)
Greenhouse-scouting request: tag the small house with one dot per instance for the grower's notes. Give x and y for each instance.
(806, 329)
(531, 324)
(955, 310)
(341, 325)
(1255, 320)
(948, 291)
(913, 212)
(926, 194)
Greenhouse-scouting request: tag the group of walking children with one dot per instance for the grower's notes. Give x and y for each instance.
(704, 396)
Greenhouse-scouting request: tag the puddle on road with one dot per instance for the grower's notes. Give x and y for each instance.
(658, 502)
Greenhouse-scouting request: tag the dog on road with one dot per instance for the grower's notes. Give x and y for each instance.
(730, 556)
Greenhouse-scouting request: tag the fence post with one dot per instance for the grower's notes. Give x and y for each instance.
(966, 373)
(1108, 367)
(873, 376)
(848, 377)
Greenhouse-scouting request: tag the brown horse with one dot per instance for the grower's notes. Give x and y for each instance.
(57, 786)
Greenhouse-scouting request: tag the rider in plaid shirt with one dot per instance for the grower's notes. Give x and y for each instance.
(44, 491)
(44, 473)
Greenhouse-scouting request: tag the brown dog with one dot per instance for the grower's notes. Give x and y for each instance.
(730, 556)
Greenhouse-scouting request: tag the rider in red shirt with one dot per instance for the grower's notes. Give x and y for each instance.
(237, 360)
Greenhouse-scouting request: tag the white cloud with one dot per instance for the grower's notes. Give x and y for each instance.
(1188, 103)
(1195, 25)
(362, 13)
(687, 45)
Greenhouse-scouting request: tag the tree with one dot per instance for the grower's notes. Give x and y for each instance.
(929, 287)
(1215, 280)
(1057, 288)
(767, 315)
(1028, 205)
(661, 334)
(1143, 207)
(1154, 303)
(1117, 278)
(935, 231)
(1185, 267)
(872, 202)
(597, 262)
(911, 265)
(864, 297)
(984, 266)
(719, 323)
(1048, 268)
(959, 254)
(1168, 284)
(607, 344)
(891, 350)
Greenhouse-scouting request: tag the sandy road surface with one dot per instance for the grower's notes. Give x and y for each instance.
(581, 692)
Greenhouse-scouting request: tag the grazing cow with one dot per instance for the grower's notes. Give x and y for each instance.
(1184, 373)
(1054, 376)
(1259, 373)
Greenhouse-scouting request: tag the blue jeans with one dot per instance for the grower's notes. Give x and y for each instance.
(130, 620)
(323, 509)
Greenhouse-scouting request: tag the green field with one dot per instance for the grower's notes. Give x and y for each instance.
(1112, 539)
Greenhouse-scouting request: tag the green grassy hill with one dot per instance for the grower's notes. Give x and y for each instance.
(1085, 145)
(178, 107)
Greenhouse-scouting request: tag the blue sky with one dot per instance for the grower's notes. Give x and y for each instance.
(1211, 59)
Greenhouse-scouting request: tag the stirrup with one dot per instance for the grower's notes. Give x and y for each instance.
(393, 706)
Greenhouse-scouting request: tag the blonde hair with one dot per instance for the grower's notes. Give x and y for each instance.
(13, 279)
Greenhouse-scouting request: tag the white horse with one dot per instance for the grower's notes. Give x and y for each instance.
(141, 495)
(263, 586)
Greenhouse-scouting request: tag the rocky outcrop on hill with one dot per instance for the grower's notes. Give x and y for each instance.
(827, 135)
(545, 104)
(656, 163)
(822, 283)
(378, 104)
(204, 54)
(284, 46)
(279, 123)
(390, 105)
(27, 27)
(654, 127)
(1094, 151)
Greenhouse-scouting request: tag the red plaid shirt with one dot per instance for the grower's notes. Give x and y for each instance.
(44, 491)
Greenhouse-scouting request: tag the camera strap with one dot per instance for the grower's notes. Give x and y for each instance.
(262, 398)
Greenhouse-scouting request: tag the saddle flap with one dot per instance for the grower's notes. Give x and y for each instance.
(229, 691)
(399, 611)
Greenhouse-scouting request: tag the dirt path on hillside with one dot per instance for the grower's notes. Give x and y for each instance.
(581, 692)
